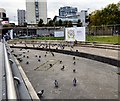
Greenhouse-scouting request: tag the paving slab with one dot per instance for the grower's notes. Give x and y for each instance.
(95, 80)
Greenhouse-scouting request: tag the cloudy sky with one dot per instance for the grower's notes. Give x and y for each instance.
(53, 6)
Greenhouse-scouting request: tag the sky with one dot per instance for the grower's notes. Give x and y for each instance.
(53, 6)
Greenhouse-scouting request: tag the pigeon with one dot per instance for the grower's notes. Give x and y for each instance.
(20, 54)
(38, 60)
(52, 54)
(56, 83)
(12, 51)
(35, 55)
(27, 56)
(21, 49)
(74, 82)
(45, 55)
(74, 71)
(40, 93)
(51, 65)
(63, 67)
(24, 56)
(60, 62)
(74, 62)
(15, 55)
(73, 58)
(39, 56)
(19, 59)
(23, 52)
(76, 50)
(27, 62)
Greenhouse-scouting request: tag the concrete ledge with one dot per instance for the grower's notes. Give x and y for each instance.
(29, 86)
(107, 60)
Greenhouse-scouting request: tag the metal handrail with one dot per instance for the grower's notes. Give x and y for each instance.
(11, 92)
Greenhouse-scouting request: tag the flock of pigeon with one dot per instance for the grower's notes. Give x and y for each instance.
(56, 83)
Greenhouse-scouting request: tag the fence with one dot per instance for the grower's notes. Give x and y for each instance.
(104, 30)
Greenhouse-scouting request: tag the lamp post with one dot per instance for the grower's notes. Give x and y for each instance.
(1, 29)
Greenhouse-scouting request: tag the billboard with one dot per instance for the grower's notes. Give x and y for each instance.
(59, 34)
(75, 33)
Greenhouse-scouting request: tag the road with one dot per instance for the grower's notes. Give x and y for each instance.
(95, 80)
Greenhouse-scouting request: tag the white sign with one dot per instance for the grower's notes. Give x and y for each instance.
(11, 33)
(75, 33)
(59, 34)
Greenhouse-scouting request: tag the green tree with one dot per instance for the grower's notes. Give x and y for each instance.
(57, 23)
(69, 24)
(65, 23)
(51, 23)
(107, 16)
(40, 23)
(79, 24)
(60, 22)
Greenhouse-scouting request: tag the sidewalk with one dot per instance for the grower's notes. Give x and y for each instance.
(1, 65)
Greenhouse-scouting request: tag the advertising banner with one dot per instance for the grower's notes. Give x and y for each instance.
(59, 34)
(75, 33)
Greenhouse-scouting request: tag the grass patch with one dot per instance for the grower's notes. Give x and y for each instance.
(49, 38)
(104, 39)
(100, 39)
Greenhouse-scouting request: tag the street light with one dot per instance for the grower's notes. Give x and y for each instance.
(1, 28)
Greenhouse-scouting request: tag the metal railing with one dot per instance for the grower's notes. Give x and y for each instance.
(11, 92)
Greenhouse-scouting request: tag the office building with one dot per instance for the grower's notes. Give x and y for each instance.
(36, 10)
(4, 19)
(67, 11)
(74, 18)
(21, 17)
(2, 13)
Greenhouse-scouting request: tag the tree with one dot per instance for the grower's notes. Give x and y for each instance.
(57, 23)
(69, 24)
(40, 23)
(60, 22)
(65, 23)
(107, 16)
(51, 23)
(79, 23)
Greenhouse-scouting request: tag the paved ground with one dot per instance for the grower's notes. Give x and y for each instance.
(0, 71)
(96, 51)
(95, 80)
(2, 79)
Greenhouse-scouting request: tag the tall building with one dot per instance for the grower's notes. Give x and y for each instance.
(74, 18)
(2, 13)
(67, 11)
(82, 16)
(21, 17)
(3, 17)
(36, 10)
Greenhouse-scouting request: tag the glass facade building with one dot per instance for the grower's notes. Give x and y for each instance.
(67, 11)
